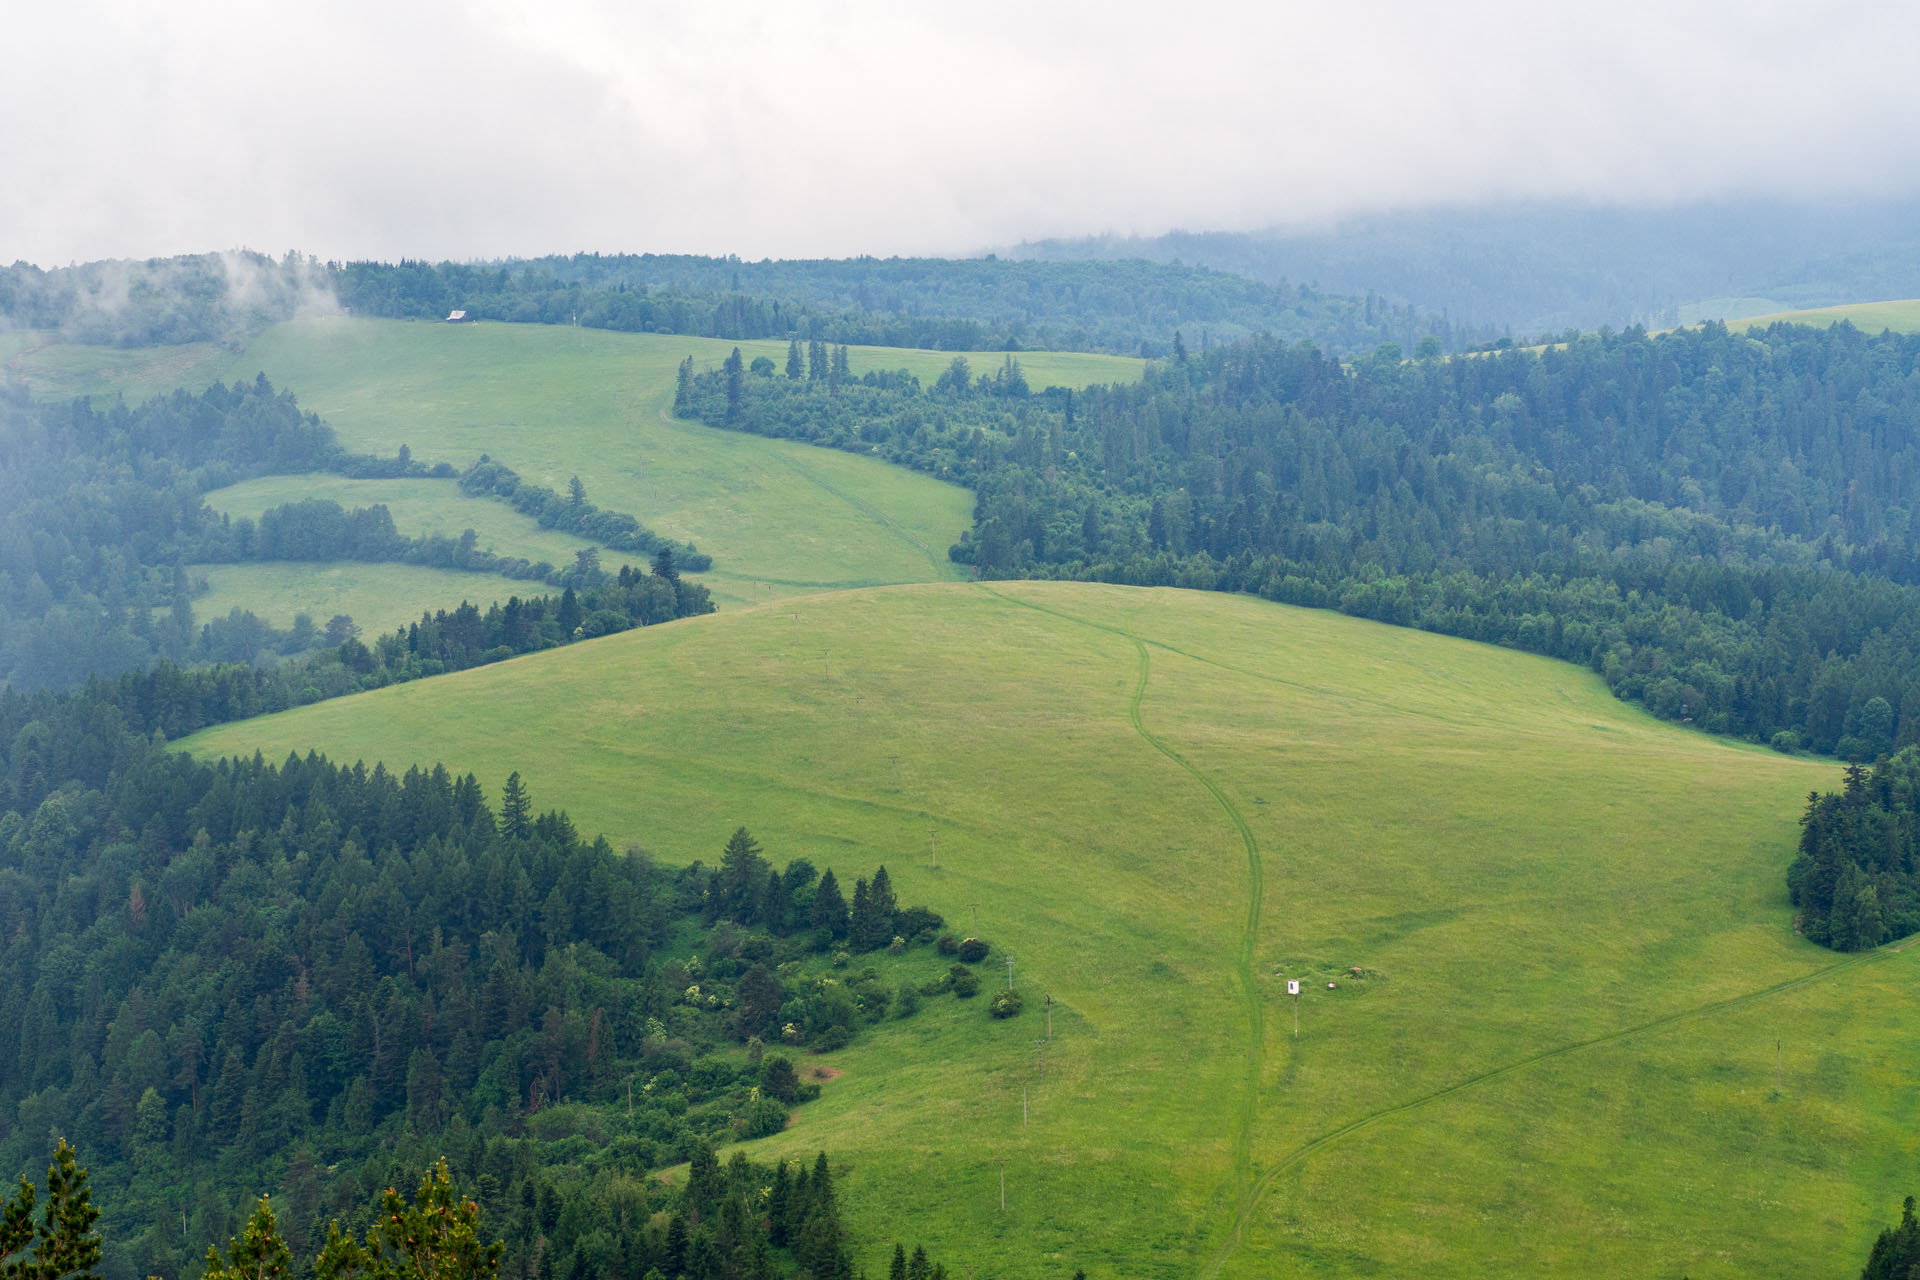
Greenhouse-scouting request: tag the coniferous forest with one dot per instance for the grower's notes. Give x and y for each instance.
(310, 979)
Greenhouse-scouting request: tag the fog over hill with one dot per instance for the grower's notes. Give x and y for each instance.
(1539, 268)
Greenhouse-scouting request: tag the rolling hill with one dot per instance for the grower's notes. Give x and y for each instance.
(554, 402)
(1549, 967)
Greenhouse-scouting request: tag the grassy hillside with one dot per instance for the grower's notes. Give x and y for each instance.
(60, 370)
(1573, 946)
(552, 403)
(1901, 316)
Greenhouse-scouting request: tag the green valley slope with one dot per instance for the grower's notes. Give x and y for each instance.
(1557, 929)
(554, 402)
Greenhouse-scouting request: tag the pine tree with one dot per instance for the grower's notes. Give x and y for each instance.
(795, 366)
(897, 1269)
(576, 493)
(816, 361)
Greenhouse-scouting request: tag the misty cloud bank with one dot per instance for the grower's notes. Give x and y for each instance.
(211, 297)
(482, 129)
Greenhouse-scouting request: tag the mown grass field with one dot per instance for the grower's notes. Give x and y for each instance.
(1901, 315)
(420, 507)
(1569, 919)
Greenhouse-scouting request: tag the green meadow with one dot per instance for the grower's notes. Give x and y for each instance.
(56, 370)
(379, 597)
(553, 402)
(1900, 315)
(1565, 980)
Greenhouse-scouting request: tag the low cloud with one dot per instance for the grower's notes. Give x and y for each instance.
(472, 129)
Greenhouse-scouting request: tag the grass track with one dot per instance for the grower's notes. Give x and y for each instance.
(1572, 916)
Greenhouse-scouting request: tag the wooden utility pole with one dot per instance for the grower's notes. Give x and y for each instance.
(1009, 973)
(1049, 1019)
(933, 849)
(976, 919)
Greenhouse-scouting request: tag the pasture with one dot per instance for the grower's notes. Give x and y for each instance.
(1557, 930)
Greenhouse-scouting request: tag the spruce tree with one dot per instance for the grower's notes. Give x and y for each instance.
(830, 908)
(63, 1243)
(741, 877)
(516, 808)
(774, 902)
(860, 920)
(795, 366)
(259, 1254)
(683, 387)
(885, 908)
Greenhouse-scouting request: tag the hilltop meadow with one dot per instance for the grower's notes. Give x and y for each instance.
(1571, 1027)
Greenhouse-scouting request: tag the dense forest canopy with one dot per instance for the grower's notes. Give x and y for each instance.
(1721, 525)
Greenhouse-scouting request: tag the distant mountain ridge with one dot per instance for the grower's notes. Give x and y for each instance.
(1538, 269)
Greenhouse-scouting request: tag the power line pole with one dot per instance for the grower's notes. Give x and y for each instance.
(1009, 972)
(1003, 1186)
(1049, 1019)
(933, 849)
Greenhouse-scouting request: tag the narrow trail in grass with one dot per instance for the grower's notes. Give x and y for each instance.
(1249, 1191)
(1237, 1235)
(1243, 960)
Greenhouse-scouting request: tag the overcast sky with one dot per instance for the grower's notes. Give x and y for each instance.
(481, 128)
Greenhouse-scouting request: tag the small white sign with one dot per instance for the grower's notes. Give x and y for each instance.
(1293, 986)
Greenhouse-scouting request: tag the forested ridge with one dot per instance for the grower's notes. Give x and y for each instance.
(1723, 526)
(102, 510)
(973, 304)
(237, 977)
